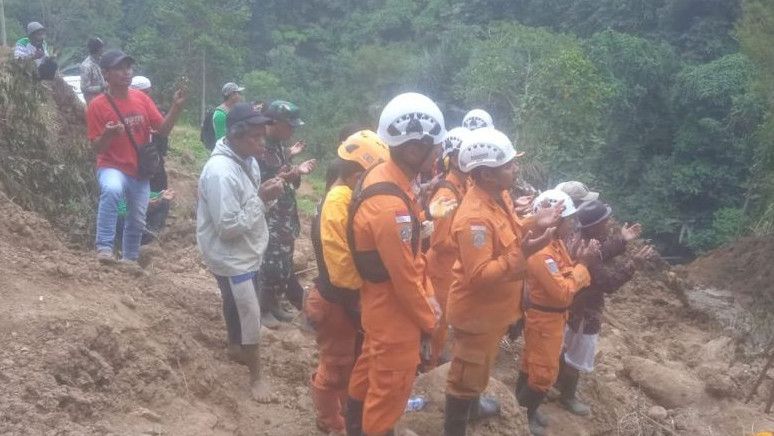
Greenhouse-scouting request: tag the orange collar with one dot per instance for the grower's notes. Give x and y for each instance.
(393, 173)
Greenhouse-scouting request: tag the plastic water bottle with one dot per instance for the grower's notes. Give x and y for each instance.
(416, 403)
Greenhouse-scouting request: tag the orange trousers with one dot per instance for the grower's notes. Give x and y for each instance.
(383, 378)
(474, 356)
(543, 339)
(336, 343)
(441, 333)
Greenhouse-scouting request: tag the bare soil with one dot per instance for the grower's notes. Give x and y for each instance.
(92, 349)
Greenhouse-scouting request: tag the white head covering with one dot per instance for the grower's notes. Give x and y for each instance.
(140, 82)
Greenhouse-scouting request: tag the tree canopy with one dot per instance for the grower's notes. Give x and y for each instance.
(663, 105)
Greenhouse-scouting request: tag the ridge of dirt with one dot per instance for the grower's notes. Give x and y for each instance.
(743, 266)
(115, 350)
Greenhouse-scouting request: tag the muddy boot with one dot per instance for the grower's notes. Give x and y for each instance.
(354, 421)
(268, 301)
(568, 385)
(521, 383)
(532, 399)
(269, 321)
(280, 313)
(484, 407)
(327, 407)
(455, 418)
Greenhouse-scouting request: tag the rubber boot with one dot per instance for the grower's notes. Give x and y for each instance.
(455, 418)
(269, 321)
(268, 301)
(531, 399)
(484, 407)
(354, 421)
(521, 383)
(281, 314)
(568, 385)
(327, 407)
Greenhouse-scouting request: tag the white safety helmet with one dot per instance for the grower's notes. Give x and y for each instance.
(477, 119)
(411, 116)
(140, 82)
(553, 196)
(453, 140)
(485, 148)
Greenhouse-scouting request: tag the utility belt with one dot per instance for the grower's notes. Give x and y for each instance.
(547, 309)
(526, 304)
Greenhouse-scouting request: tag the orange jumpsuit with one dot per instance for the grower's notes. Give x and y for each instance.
(395, 312)
(552, 281)
(334, 327)
(441, 258)
(485, 297)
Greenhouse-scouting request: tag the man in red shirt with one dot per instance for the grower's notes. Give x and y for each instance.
(116, 156)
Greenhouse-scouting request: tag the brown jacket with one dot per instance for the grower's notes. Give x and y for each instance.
(606, 277)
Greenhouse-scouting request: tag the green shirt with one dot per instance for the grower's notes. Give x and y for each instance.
(122, 204)
(219, 123)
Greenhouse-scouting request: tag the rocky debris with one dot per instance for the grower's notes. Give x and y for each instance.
(429, 420)
(668, 387)
(718, 350)
(147, 414)
(658, 413)
(717, 382)
(148, 253)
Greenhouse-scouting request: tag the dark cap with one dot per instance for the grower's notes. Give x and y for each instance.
(246, 112)
(111, 59)
(280, 110)
(95, 44)
(592, 212)
(33, 27)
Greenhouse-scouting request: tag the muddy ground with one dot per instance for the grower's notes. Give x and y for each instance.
(91, 349)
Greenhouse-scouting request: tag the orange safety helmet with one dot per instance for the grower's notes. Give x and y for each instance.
(365, 148)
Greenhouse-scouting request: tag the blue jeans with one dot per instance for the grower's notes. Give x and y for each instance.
(113, 185)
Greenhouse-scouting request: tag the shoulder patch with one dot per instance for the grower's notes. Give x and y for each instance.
(478, 232)
(405, 231)
(552, 266)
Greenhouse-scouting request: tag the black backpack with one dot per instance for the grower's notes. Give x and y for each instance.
(368, 263)
(207, 133)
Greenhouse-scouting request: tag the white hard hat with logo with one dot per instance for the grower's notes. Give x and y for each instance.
(477, 119)
(454, 139)
(411, 116)
(550, 198)
(486, 147)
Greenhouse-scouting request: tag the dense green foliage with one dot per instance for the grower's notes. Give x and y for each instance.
(654, 102)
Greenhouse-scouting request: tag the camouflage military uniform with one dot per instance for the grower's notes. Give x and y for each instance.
(282, 219)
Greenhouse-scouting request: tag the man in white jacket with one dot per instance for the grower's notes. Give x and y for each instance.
(232, 234)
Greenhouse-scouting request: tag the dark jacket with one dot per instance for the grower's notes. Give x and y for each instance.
(606, 277)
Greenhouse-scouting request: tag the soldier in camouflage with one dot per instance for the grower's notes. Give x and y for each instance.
(277, 270)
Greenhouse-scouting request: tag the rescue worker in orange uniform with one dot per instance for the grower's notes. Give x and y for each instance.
(397, 302)
(442, 252)
(331, 306)
(485, 297)
(553, 278)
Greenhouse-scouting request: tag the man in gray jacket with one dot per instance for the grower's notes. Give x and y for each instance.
(92, 81)
(232, 234)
